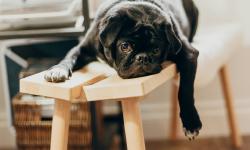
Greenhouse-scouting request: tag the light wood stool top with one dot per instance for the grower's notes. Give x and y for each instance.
(95, 86)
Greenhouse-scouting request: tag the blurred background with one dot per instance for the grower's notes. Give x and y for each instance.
(27, 36)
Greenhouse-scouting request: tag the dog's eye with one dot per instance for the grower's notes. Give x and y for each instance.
(126, 47)
(156, 51)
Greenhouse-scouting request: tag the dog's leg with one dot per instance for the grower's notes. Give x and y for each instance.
(76, 58)
(63, 70)
(187, 63)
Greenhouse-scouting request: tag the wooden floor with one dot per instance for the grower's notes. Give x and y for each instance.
(200, 144)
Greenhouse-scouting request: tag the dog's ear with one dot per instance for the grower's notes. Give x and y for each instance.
(109, 28)
(175, 44)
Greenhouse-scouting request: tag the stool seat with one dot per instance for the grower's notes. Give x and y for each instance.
(114, 87)
(216, 46)
(93, 84)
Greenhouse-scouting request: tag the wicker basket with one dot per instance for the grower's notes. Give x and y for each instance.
(33, 130)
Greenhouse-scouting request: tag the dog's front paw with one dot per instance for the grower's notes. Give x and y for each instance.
(191, 124)
(57, 74)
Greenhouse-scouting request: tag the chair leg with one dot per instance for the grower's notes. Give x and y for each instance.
(97, 125)
(227, 91)
(174, 111)
(60, 125)
(133, 124)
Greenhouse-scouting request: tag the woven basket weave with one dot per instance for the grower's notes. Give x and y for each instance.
(33, 131)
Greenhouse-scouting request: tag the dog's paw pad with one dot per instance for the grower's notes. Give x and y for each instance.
(191, 135)
(56, 75)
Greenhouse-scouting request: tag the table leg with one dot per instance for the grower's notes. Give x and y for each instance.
(174, 126)
(133, 124)
(60, 125)
(228, 96)
(97, 125)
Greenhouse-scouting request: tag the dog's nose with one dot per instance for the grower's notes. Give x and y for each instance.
(142, 58)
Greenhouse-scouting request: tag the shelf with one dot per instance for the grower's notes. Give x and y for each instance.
(38, 33)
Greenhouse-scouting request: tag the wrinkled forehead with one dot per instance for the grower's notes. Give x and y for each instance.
(129, 4)
(135, 9)
(140, 31)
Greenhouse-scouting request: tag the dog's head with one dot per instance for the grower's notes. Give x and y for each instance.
(136, 39)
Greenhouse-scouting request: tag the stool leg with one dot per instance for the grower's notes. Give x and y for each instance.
(60, 125)
(224, 77)
(133, 124)
(174, 112)
(97, 125)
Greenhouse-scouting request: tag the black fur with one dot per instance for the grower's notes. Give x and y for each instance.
(152, 31)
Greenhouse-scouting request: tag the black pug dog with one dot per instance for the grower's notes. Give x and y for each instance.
(135, 37)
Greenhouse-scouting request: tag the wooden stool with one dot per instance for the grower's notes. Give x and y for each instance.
(93, 86)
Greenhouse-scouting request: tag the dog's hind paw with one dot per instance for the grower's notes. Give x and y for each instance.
(191, 135)
(56, 74)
